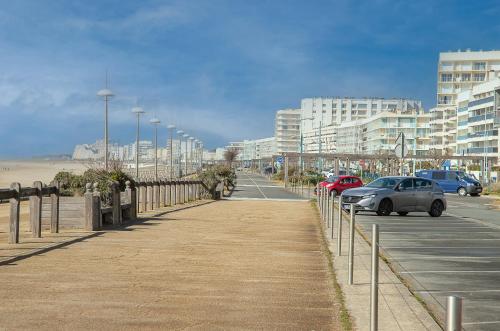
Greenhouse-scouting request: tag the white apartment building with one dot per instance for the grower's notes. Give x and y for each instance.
(287, 130)
(259, 148)
(478, 121)
(320, 117)
(379, 132)
(457, 72)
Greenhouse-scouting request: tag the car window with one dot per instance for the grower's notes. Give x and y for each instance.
(438, 175)
(354, 180)
(383, 182)
(346, 180)
(422, 184)
(406, 184)
(451, 176)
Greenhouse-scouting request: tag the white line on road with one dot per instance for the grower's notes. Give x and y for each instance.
(461, 291)
(257, 187)
(476, 323)
(432, 257)
(437, 239)
(451, 272)
(438, 247)
(264, 199)
(239, 185)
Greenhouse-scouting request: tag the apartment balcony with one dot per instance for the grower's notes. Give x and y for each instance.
(479, 118)
(482, 150)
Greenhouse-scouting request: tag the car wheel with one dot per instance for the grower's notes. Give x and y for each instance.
(402, 213)
(384, 208)
(436, 209)
(333, 193)
(462, 192)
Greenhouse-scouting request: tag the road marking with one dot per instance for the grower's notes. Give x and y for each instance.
(257, 187)
(239, 185)
(432, 257)
(438, 239)
(475, 323)
(264, 199)
(461, 291)
(451, 272)
(438, 247)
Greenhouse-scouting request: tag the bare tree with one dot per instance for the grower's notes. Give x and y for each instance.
(438, 157)
(230, 155)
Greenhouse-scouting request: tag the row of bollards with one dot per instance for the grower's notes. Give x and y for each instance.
(326, 206)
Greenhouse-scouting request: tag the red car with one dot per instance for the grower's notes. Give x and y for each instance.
(336, 185)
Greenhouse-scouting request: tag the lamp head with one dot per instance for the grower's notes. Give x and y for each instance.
(185, 135)
(180, 132)
(138, 110)
(154, 121)
(171, 126)
(105, 93)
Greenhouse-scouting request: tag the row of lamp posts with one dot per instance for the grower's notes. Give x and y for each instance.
(107, 94)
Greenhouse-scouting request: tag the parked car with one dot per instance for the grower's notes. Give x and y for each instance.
(453, 181)
(337, 185)
(397, 194)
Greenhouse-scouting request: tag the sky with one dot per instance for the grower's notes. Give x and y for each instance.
(217, 69)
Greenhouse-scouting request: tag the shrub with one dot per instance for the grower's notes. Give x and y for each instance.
(214, 174)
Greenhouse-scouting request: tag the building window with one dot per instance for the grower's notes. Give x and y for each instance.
(479, 77)
(446, 77)
(479, 66)
(465, 77)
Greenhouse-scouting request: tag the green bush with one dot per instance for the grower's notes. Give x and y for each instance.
(74, 185)
(214, 174)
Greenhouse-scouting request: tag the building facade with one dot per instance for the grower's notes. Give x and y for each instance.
(259, 148)
(379, 132)
(457, 72)
(321, 117)
(478, 120)
(287, 130)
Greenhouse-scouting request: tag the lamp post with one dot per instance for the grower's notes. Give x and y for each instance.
(155, 123)
(137, 111)
(106, 94)
(197, 153)
(186, 136)
(171, 129)
(180, 133)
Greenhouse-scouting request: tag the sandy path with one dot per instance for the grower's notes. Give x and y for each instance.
(224, 265)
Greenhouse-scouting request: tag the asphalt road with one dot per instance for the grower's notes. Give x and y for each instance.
(455, 254)
(257, 187)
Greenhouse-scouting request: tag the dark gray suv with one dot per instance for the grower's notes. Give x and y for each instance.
(397, 194)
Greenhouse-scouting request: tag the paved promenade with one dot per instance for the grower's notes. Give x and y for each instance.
(223, 265)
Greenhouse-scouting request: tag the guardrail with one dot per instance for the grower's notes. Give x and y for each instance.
(90, 212)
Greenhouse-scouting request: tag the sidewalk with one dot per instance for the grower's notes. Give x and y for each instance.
(223, 265)
(398, 308)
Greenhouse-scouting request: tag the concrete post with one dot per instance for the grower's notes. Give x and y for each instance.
(156, 195)
(92, 208)
(15, 204)
(54, 208)
(162, 194)
(144, 197)
(332, 218)
(150, 188)
(132, 199)
(168, 193)
(285, 177)
(36, 211)
(117, 208)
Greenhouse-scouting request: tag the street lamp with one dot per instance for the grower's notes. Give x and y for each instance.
(186, 136)
(171, 129)
(137, 111)
(155, 123)
(180, 133)
(106, 94)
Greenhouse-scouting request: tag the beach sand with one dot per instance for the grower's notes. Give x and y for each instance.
(26, 172)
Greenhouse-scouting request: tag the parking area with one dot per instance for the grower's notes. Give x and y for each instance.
(455, 254)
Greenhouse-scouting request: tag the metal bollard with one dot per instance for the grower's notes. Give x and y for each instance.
(327, 220)
(454, 313)
(374, 281)
(332, 217)
(351, 243)
(339, 229)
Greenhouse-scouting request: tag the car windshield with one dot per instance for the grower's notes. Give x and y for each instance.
(383, 183)
(467, 178)
(332, 179)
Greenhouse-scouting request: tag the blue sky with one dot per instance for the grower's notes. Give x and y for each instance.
(218, 69)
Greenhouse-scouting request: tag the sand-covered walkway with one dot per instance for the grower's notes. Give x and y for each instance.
(223, 265)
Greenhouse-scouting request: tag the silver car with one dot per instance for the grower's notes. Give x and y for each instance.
(397, 194)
